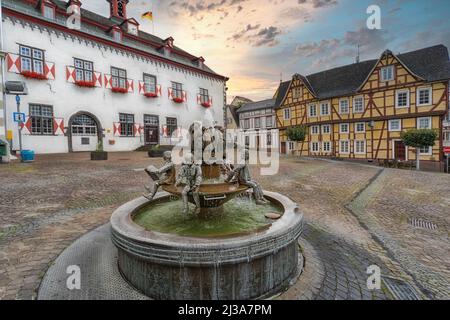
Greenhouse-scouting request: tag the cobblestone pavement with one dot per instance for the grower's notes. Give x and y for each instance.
(46, 205)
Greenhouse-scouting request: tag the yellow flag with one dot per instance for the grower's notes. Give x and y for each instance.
(148, 15)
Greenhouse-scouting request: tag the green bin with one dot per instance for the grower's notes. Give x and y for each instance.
(3, 150)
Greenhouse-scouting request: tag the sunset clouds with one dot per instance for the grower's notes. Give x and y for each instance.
(254, 41)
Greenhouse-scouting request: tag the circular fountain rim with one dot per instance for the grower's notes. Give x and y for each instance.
(122, 223)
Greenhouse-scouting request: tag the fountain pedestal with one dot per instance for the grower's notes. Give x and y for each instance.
(167, 266)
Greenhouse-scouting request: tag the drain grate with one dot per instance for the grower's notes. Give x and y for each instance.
(400, 289)
(419, 223)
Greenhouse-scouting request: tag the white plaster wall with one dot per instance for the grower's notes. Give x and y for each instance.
(68, 99)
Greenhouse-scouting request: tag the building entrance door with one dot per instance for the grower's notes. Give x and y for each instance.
(151, 129)
(283, 148)
(84, 133)
(399, 150)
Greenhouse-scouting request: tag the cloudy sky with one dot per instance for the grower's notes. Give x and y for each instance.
(257, 42)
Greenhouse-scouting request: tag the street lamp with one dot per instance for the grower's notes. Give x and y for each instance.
(17, 88)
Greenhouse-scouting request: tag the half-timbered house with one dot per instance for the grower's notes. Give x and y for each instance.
(358, 111)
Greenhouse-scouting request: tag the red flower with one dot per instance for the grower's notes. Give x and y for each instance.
(206, 104)
(178, 100)
(33, 75)
(87, 84)
(119, 90)
(150, 94)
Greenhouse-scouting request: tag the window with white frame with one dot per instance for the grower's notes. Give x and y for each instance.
(315, 146)
(287, 114)
(395, 125)
(343, 106)
(344, 128)
(358, 104)
(446, 136)
(291, 145)
(326, 129)
(269, 122)
(424, 96)
(247, 124)
(344, 146)
(149, 83)
(387, 73)
(83, 70)
(360, 146)
(119, 78)
(313, 110)
(324, 109)
(426, 151)
(257, 123)
(326, 146)
(402, 98)
(32, 59)
(297, 93)
(315, 130)
(49, 12)
(424, 123)
(360, 127)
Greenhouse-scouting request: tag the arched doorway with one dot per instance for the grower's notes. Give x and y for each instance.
(84, 132)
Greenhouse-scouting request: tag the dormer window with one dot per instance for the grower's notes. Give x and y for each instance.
(132, 26)
(387, 73)
(117, 34)
(48, 9)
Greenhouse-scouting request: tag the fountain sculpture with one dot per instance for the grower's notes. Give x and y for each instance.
(224, 249)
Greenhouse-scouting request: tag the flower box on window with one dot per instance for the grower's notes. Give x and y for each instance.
(85, 84)
(206, 104)
(151, 94)
(178, 100)
(33, 75)
(119, 90)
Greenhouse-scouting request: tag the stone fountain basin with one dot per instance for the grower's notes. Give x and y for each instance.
(169, 267)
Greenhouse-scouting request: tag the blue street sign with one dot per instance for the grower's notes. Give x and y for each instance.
(17, 98)
(19, 117)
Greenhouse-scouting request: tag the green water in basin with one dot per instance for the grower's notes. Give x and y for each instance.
(240, 216)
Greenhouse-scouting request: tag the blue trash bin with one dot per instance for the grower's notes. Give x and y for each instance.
(27, 155)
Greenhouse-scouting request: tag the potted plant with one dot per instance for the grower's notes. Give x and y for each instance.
(150, 94)
(33, 75)
(119, 90)
(178, 100)
(155, 151)
(99, 154)
(85, 84)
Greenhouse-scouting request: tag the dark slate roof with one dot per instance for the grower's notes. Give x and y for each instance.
(183, 57)
(281, 93)
(431, 64)
(258, 105)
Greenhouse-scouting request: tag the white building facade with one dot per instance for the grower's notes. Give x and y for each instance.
(107, 81)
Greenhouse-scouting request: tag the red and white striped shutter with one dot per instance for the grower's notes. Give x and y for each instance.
(98, 79)
(70, 74)
(159, 90)
(26, 127)
(108, 81)
(13, 63)
(141, 87)
(130, 85)
(210, 101)
(49, 70)
(116, 129)
(137, 129)
(179, 135)
(184, 96)
(58, 126)
(165, 131)
(199, 99)
(170, 90)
